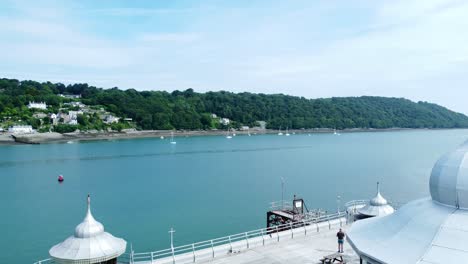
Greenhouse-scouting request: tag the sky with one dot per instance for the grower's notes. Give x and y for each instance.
(412, 49)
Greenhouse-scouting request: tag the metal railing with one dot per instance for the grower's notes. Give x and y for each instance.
(243, 239)
(355, 203)
(281, 205)
(45, 261)
(123, 259)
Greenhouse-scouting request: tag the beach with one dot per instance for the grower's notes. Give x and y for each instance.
(54, 137)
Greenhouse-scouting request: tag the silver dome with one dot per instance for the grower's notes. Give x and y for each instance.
(89, 244)
(449, 178)
(89, 227)
(378, 206)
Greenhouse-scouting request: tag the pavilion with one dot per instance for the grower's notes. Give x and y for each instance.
(430, 230)
(89, 245)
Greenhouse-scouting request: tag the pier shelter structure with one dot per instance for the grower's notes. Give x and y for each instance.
(376, 207)
(90, 244)
(429, 230)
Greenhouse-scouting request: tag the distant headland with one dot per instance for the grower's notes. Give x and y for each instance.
(54, 112)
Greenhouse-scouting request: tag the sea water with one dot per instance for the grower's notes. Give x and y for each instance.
(203, 187)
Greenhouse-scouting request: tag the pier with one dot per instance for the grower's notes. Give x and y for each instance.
(307, 244)
(307, 237)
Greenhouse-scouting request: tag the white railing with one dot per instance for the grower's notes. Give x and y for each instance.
(234, 242)
(355, 203)
(281, 205)
(44, 261)
(242, 240)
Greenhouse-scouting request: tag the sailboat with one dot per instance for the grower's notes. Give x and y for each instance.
(172, 138)
(279, 132)
(248, 132)
(287, 132)
(335, 133)
(228, 136)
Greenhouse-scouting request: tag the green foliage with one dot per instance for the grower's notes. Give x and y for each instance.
(64, 128)
(191, 110)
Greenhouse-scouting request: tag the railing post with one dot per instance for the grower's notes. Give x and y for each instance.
(263, 239)
(292, 232)
(173, 256)
(230, 244)
(305, 229)
(193, 250)
(212, 248)
(152, 257)
(277, 234)
(246, 239)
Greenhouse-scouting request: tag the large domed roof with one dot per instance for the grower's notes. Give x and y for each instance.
(449, 178)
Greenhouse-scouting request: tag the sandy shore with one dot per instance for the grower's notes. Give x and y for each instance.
(41, 138)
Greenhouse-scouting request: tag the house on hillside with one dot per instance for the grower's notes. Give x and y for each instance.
(109, 119)
(225, 121)
(40, 105)
(21, 129)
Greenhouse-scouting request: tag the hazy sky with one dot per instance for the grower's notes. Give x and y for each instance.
(412, 49)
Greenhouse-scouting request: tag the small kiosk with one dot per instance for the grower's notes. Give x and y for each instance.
(89, 245)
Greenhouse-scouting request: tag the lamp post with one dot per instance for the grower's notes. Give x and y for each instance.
(282, 193)
(338, 202)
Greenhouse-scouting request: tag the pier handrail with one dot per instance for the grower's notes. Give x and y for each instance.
(354, 203)
(244, 237)
(281, 205)
(228, 240)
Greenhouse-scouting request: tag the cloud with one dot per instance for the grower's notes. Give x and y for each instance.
(313, 49)
(169, 37)
(141, 11)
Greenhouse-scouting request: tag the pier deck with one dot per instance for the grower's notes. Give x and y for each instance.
(301, 245)
(301, 250)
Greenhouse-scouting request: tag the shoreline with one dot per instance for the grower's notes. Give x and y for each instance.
(53, 137)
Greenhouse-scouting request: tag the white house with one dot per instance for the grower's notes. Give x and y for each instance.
(111, 119)
(73, 122)
(21, 129)
(224, 121)
(40, 105)
(74, 114)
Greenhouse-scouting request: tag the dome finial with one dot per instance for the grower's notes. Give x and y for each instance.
(89, 205)
(378, 188)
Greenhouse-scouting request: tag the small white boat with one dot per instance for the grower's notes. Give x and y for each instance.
(279, 132)
(287, 132)
(162, 137)
(172, 138)
(228, 135)
(70, 142)
(335, 133)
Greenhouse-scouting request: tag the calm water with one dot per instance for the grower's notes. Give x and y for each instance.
(204, 187)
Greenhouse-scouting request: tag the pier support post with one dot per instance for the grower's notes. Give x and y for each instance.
(291, 227)
(230, 244)
(263, 239)
(277, 234)
(246, 239)
(212, 248)
(152, 257)
(305, 228)
(193, 251)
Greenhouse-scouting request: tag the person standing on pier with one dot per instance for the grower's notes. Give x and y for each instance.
(341, 236)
